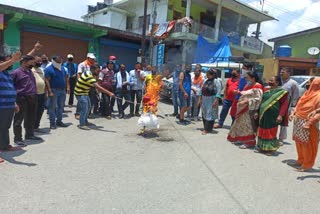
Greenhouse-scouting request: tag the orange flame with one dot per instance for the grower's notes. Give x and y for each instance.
(151, 97)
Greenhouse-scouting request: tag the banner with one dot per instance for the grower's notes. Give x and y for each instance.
(207, 52)
(160, 56)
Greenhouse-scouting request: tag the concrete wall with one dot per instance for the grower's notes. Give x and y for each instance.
(300, 44)
(110, 19)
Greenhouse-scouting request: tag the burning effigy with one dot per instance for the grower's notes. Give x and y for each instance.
(149, 119)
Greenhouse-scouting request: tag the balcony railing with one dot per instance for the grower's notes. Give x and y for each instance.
(234, 37)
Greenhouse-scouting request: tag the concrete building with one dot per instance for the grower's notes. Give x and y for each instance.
(213, 19)
(23, 28)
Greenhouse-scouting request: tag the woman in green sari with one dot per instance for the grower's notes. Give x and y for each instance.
(272, 113)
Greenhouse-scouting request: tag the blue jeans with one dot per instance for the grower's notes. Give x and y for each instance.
(56, 105)
(175, 101)
(84, 108)
(225, 110)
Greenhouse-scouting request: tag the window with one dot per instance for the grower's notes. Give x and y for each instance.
(207, 19)
(184, 3)
(177, 15)
(141, 21)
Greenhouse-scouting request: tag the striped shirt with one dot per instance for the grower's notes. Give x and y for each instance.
(8, 93)
(84, 83)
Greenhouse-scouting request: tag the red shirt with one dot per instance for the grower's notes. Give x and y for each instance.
(231, 87)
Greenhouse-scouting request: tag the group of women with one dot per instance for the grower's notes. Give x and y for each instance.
(261, 110)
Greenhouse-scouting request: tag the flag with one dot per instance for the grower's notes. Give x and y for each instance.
(1, 21)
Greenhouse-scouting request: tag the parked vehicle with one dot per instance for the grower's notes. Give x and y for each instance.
(224, 73)
(302, 82)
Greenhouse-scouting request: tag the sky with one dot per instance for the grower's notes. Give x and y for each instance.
(293, 15)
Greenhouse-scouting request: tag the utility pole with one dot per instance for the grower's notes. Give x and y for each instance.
(154, 18)
(186, 30)
(144, 28)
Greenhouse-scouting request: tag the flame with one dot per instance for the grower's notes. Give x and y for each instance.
(151, 97)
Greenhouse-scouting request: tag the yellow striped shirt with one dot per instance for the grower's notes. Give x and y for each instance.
(84, 83)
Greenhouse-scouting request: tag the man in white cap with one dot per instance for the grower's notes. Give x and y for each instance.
(85, 67)
(72, 72)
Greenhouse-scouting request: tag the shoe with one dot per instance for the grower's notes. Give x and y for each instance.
(90, 124)
(53, 127)
(20, 143)
(173, 114)
(32, 137)
(137, 114)
(61, 124)
(217, 126)
(84, 128)
(178, 116)
(131, 115)
(294, 164)
(108, 117)
(121, 116)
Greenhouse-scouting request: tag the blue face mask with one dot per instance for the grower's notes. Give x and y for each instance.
(249, 82)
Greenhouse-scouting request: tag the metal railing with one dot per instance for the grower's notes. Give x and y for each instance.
(234, 37)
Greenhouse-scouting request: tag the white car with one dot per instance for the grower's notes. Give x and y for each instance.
(302, 81)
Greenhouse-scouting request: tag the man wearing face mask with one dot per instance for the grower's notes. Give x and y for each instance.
(41, 85)
(72, 71)
(25, 85)
(57, 82)
(229, 96)
(246, 67)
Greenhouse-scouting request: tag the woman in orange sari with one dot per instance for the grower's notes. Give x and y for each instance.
(305, 127)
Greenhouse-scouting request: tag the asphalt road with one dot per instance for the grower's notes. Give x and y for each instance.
(175, 170)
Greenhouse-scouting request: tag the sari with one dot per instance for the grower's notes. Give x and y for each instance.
(274, 103)
(307, 139)
(244, 127)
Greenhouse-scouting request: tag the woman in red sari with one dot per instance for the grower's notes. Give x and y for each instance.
(243, 131)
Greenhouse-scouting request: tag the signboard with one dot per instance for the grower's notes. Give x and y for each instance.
(159, 56)
(162, 28)
(1, 21)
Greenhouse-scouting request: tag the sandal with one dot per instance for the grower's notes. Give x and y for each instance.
(294, 164)
(204, 132)
(301, 169)
(244, 146)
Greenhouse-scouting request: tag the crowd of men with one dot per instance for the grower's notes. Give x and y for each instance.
(39, 84)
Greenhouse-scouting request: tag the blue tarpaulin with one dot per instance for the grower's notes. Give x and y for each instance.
(207, 52)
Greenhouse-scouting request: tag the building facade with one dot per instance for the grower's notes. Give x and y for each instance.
(212, 19)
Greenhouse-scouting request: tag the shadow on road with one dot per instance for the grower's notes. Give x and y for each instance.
(10, 155)
(100, 128)
(302, 178)
(149, 134)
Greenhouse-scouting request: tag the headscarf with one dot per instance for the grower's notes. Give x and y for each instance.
(309, 101)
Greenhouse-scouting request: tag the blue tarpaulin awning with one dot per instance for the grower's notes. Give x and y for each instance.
(207, 52)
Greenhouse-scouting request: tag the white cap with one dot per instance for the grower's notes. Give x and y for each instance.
(91, 55)
(69, 56)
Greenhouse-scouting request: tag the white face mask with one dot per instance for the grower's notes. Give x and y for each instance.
(244, 72)
(56, 65)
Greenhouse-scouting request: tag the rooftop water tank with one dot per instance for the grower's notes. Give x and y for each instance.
(284, 51)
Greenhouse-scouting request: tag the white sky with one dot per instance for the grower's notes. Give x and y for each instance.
(293, 15)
